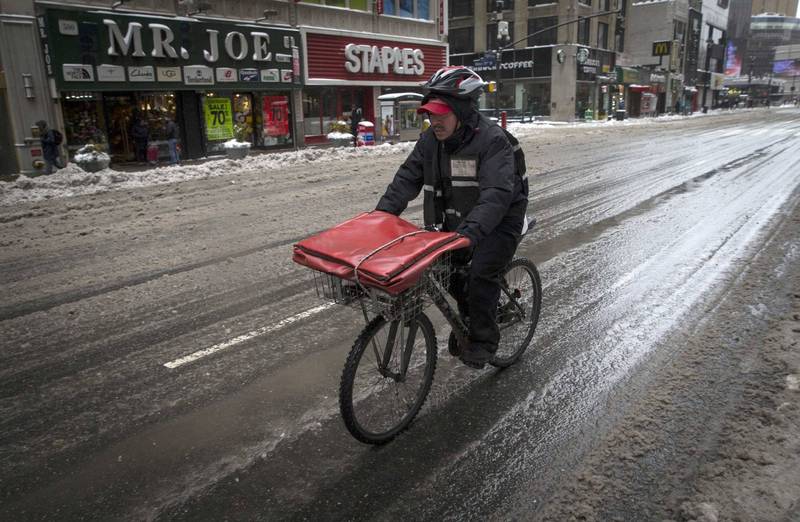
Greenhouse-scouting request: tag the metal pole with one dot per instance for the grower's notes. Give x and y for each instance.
(709, 43)
(497, 79)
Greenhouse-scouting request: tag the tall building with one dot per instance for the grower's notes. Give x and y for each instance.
(559, 66)
(779, 7)
(767, 34)
(739, 15)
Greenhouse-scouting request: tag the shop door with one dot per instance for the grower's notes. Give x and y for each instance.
(119, 109)
(190, 125)
(8, 156)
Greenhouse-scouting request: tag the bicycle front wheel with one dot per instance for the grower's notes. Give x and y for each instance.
(518, 311)
(387, 377)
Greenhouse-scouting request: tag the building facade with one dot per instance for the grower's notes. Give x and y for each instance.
(278, 74)
(778, 7)
(560, 72)
(658, 48)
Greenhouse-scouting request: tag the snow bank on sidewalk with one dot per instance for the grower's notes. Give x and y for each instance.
(72, 181)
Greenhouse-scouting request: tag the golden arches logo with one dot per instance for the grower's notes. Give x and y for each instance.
(662, 48)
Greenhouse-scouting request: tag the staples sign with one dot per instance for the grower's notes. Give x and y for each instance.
(374, 59)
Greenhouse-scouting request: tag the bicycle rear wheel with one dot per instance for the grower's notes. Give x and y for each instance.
(387, 377)
(518, 311)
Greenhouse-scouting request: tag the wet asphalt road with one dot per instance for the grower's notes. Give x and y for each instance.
(637, 228)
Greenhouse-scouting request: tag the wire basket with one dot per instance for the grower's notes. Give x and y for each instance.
(401, 307)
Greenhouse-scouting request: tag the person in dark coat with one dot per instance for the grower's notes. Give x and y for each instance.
(473, 185)
(50, 140)
(172, 141)
(355, 118)
(141, 135)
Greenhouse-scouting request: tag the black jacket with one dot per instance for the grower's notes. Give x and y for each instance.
(470, 190)
(49, 145)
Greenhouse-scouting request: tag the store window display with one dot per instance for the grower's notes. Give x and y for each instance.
(276, 121)
(84, 121)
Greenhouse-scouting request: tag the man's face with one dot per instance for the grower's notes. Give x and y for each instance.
(444, 125)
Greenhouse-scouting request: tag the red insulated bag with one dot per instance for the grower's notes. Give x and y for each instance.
(377, 249)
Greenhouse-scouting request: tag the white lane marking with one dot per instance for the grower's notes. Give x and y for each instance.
(245, 337)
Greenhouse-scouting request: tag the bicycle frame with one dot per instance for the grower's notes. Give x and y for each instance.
(438, 295)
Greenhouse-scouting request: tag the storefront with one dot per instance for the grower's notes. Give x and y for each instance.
(525, 76)
(527, 81)
(592, 75)
(344, 71)
(121, 78)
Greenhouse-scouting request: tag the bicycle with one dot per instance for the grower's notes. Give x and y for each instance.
(389, 370)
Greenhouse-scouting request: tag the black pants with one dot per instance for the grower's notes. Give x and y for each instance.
(140, 149)
(478, 295)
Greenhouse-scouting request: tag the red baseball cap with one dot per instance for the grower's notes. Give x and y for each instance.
(435, 106)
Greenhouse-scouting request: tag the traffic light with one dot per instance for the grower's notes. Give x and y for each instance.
(492, 86)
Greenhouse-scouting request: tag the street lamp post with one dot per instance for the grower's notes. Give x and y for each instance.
(502, 36)
(709, 45)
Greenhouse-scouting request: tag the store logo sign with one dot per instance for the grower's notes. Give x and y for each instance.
(270, 75)
(372, 59)
(226, 74)
(198, 75)
(286, 75)
(248, 75)
(142, 74)
(168, 74)
(68, 27)
(110, 73)
(78, 72)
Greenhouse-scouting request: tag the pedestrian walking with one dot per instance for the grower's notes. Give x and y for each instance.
(355, 118)
(141, 135)
(51, 140)
(172, 141)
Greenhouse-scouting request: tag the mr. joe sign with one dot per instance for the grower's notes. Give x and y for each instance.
(110, 50)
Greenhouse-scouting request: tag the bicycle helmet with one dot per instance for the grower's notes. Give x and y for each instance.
(457, 81)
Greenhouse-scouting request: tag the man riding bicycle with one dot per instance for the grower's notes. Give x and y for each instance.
(473, 182)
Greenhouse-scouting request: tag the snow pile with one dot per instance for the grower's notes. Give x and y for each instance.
(88, 153)
(339, 136)
(236, 144)
(73, 181)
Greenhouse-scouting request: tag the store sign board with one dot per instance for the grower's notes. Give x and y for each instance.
(169, 74)
(226, 75)
(68, 27)
(218, 118)
(514, 63)
(286, 75)
(77, 72)
(142, 74)
(198, 75)
(110, 73)
(82, 38)
(270, 75)
(248, 75)
(597, 62)
(364, 59)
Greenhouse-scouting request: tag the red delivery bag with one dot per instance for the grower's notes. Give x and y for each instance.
(377, 249)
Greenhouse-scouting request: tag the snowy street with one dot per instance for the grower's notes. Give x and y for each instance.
(163, 357)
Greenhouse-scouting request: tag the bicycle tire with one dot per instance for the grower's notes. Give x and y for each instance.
(353, 408)
(509, 353)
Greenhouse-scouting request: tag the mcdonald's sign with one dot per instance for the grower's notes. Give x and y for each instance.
(662, 48)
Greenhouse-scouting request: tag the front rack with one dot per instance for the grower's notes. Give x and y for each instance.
(400, 307)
